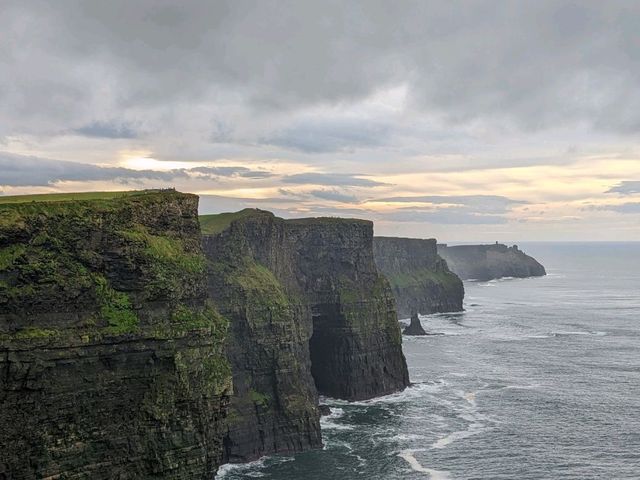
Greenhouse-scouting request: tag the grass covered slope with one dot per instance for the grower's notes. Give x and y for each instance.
(111, 356)
(72, 196)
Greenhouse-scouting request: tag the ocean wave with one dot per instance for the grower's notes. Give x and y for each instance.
(415, 390)
(408, 456)
(562, 333)
(243, 468)
(473, 429)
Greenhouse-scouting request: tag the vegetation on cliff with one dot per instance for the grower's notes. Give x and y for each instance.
(112, 357)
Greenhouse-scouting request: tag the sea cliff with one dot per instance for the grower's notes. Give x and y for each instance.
(487, 262)
(420, 279)
(309, 313)
(133, 346)
(111, 357)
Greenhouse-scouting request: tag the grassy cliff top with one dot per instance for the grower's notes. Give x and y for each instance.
(76, 196)
(218, 222)
(326, 220)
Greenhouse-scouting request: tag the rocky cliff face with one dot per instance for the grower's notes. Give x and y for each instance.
(111, 357)
(419, 277)
(486, 262)
(274, 406)
(309, 312)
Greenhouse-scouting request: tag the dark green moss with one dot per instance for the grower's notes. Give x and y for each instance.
(258, 398)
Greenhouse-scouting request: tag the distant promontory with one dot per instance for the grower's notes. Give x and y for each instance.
(488, 262)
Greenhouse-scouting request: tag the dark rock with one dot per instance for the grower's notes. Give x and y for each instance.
(419, 277)
(415, 327)
(488, 262)
(309, 313)
(111, 358)
(324, 410)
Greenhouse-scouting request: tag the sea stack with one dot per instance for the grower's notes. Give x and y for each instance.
(415, 327)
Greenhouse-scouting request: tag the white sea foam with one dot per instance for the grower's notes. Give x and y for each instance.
(407, 437)
(473, 429)
(327, 422)
(244, 468)
(407, 456)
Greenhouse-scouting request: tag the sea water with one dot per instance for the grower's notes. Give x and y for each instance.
(538, 378)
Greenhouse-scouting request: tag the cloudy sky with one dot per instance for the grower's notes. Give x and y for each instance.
(474, 120)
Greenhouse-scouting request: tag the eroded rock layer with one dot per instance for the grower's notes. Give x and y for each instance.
(487, 262)
(111, 357)
(420, 279)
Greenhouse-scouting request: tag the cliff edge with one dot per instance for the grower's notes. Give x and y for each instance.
(111, 357)
(420, 279)
(488, 262)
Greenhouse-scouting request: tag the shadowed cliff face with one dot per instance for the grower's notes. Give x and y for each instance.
(356, 347)
(274, 406)
(487, 262)
(419, 277)
(326, 323)
(111, 358)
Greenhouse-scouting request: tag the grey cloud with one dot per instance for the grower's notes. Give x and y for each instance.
(107, 130)
(19, 170)
(330, 135)
(630, 207)
(629, 187)
(538, 64)
(334, 196)
(337, 179)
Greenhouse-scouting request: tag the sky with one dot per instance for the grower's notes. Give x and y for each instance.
(461, 120)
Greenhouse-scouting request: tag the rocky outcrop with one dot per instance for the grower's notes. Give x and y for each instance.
(419, 277)
(487, 262)
(415, 327)
(111, 356)
(309, 313)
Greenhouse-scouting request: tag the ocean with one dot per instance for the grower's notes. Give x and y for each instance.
(538, 378)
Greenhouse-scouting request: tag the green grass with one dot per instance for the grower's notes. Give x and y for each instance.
(326, 220)
(216, 223)
(66, 197)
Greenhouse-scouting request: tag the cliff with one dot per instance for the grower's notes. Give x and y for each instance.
(309, 313)
(111, 357)
(487, 262)
(419, 277)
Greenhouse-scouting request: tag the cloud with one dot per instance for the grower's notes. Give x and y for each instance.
(334, 196)
(337, 179)
(107, 130)
(629, 187)
(536, 64)
(20, 170)
(478, 203)
(444, 216)
(630, 207)
(331, 135)
(233, 171)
